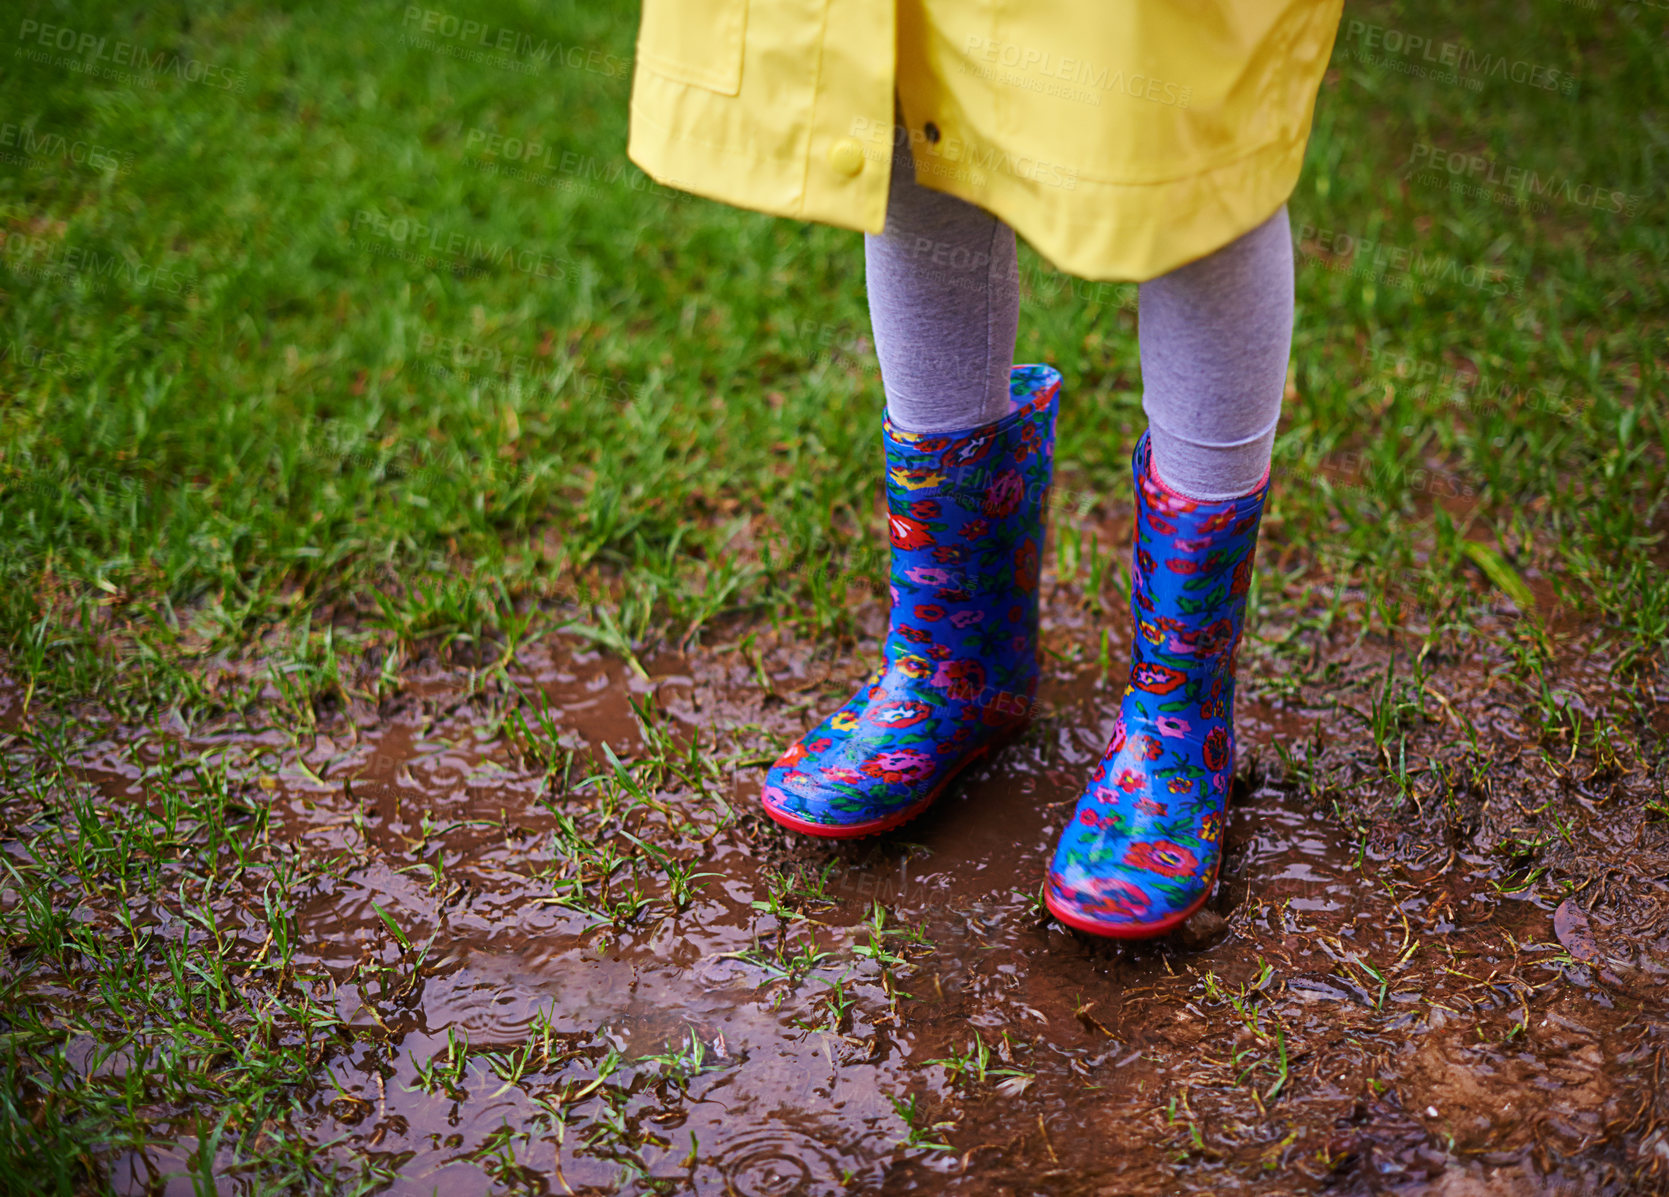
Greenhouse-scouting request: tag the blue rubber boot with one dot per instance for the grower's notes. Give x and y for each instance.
(966, 517)
(1145, 842)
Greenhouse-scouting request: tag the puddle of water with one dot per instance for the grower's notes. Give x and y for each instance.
(1370, 1004)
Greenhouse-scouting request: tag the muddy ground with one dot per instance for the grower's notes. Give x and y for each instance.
(560, 951)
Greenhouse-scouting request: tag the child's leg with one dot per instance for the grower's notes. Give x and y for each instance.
(1145, 843)
(965, 519)
(944, 300)
(1216, 335)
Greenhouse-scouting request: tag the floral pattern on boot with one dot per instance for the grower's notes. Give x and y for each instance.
(1145, 842)
(966, 521)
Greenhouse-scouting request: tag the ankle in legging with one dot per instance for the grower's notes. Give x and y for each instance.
(1216, 334)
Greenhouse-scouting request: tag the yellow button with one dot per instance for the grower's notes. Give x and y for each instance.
(846, 156)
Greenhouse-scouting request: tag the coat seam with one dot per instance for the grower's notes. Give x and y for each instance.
(816, 108)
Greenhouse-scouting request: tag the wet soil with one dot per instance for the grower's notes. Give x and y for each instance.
(1435, 962)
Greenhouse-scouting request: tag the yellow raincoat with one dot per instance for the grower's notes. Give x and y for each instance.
(1121, 138)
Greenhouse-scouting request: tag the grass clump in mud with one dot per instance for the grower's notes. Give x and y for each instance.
(153, 987)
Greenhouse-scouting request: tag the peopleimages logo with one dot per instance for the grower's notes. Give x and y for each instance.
(44, 258)
(90, 50)
(1084, 79)
(481, 36)
(19, 143)
(1427, 377)
(42, 359)
(1401, 265)
(417, 241)
(1457, 56)
(1485, 170)
(952, 157)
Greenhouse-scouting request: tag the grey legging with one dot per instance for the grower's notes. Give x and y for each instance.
(944, 299)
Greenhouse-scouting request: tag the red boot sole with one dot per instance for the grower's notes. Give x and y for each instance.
(851, 831)
(1152, 930)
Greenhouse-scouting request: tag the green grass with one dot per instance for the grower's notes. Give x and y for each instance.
(254, 460)
(340, 456)
(199, 1027)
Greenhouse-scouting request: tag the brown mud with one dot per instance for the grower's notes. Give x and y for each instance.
(1435, 961)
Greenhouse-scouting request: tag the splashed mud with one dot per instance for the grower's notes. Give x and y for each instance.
(557, 950)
